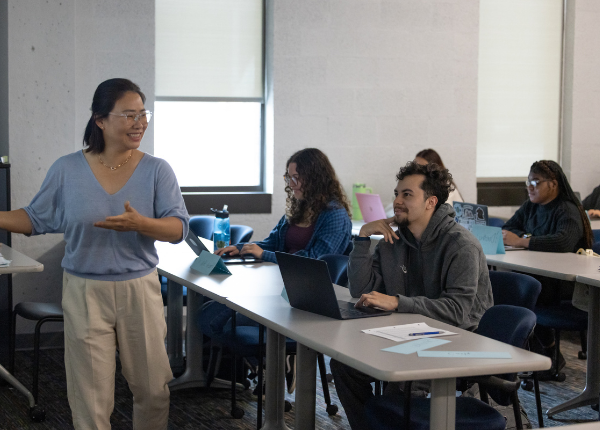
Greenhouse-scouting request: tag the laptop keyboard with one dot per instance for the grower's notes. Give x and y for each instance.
(351, 313)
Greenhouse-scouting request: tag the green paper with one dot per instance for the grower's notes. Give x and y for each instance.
(207, 263)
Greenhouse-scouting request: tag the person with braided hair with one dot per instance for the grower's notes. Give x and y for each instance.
(552, 220)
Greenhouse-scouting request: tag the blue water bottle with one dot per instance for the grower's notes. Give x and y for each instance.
(221, 231)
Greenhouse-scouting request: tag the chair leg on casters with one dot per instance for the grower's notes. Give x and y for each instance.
(582, 355)
(235, 411)
(261, 354)
(36, 359)
(331, 409)
(13, 335)
(517, 410)
(538, 400)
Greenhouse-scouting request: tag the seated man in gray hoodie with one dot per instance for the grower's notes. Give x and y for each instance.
(430, 266)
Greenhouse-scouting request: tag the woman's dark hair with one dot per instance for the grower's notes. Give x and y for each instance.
(437, 182)
(551, 170)
(431, 156)
(320, 187)
(105, 97)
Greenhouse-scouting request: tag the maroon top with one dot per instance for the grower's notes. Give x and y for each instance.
(296, 238)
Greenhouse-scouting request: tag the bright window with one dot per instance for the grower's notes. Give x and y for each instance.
(520, 62)
(210, 93)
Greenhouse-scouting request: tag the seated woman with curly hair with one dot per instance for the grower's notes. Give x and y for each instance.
(316, 222)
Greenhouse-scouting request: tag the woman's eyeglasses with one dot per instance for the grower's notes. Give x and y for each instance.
(291, 180)
(534, 183)
(131, 118)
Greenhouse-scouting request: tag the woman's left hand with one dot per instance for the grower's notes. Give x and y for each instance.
(130, 220)
(252, 248)
(512, 239)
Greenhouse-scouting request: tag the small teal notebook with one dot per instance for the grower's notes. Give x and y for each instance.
(207, 263)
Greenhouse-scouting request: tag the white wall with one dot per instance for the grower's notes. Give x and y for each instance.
(59, 51)
(582, 116)
(372, 82)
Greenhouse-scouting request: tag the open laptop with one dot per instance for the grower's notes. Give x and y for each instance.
(309, 288)
(468, 214)
(199, 244)
(370, 206)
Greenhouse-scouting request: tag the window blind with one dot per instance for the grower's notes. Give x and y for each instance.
(520, 61)
(209, 48)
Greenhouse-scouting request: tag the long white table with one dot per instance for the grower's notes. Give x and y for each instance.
(569, 267)
(261, 279)
(19, 264)
(344, 341)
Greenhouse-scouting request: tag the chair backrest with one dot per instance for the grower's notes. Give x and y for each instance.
(338, 268)
(203, 225)
(596, 234)
(495, 222)
(515, 289)
(241, 233)
(509, 324)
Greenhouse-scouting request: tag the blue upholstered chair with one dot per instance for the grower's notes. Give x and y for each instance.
(515, 289)
(495, 222)
(388, 411)
(202, 226)
(337, 265)
(247, 341)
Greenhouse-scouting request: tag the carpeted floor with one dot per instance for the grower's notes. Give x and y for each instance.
(209, 408)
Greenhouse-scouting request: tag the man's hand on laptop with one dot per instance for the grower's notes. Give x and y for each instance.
(382, 227)
(378, 301)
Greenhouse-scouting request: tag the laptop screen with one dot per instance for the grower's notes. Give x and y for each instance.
(468, 214)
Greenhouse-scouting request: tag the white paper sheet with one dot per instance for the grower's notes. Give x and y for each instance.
(400, 333)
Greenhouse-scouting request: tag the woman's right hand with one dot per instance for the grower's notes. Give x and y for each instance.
(229, 250)
(594, 213)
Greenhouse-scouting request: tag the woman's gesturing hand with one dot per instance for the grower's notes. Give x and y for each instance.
(130, 220)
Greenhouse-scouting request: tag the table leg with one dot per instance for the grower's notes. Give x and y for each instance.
(306, 386)
(442, 415)
(175, 324)
(6, 309)
(589, 395)
(275, 382)
(194, 375)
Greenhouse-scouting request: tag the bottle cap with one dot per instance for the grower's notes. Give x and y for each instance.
(221, 213)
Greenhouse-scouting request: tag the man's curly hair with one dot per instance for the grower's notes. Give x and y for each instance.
(320, 187)
(437, 182)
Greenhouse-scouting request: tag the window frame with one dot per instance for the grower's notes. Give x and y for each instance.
(240, 199)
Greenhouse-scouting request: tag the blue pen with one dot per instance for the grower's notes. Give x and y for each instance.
(424, 333)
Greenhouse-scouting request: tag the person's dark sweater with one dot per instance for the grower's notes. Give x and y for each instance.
(593, 200)
(444, 277)
(554, 227)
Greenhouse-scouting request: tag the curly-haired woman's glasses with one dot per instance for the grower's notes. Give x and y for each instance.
(291, 180)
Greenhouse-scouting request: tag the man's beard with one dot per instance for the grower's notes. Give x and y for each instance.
(402, 222)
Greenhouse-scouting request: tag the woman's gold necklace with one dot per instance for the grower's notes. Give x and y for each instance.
(116, 167)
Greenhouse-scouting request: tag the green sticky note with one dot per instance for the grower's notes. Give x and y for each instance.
(284, 295)
(490, 238)
(207, 263)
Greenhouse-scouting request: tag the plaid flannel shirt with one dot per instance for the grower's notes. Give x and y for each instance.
(332, 235)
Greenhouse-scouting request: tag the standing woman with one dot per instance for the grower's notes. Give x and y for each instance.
(112, 202)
